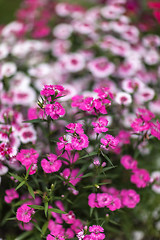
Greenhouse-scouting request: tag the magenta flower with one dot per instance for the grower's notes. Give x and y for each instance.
(96, 229)
(128, 162)
(140, 177)
(52, 164)
(104, 199)
(129, 198)
(109, 141)
(155, 129)
(24, 213)
(11, 194)
(115, 204)
(140, 125)
(54, 110)
(101, 125)
(75, 128)
(70, 175)
(80, 142)
(28, 157)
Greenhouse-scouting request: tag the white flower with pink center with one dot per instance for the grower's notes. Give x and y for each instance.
(152, 57)
(73, 62)
(7, 69)
(144, 95)
(83, 27)
(101, 67)
(27, 134)
(112, 11)
(24, 97)
(123, 98)
(4, 50)
(132, 84)
(62, 31)
(60, 47)
(155, 179)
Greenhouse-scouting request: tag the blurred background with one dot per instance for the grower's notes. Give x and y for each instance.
(8, 7)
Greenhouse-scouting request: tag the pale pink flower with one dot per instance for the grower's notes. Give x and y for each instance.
(101, 67)
(123, 98)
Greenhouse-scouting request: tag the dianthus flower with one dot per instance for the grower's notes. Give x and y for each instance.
(75, 128)
(7, 151)
(11, 194)
(104, 199)
(28, 157)
(54, 110)
(80, 142)
(69, 217)
(140, 125)
(65, 143)
(24, 213)
(155, 129)
(50, 90)
(129, 198)
(52, 164)
(145, 114)
(109, 141)
(100, 125)
(123, 137)
(92, 200)
(71, 175)
(140, 177)
(128, 162)
(115, 204)
(96, 229)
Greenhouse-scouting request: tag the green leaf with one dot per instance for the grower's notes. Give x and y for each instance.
(91, 211)
(89, 155)
(30, 189)
(82, 170)
(107, 158)
(35, 121)
(36, 226)
(20, 185)
(44, 228)
(16, 177)
(87, 175)
(10, 219)
(24, 235)
(108, 168)
(37, 207)
(56, 210)
(45, 208)
(28, 172)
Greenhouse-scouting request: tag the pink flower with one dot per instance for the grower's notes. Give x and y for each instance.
(53, 165)
(65, 143)
(69, 217)
(28, 157)
(92, 200)
(109, 141)
(115, 204)
(155, 129)
(71, 175)
(140, 177)
(124, 137)
(11, 194)
(123, 98)
(101, 67)
(80, 142)
(52, 90)
(100, 125)
(54, 110)
(128, 162)
(24, 213)
(129, 198)
(75, 128)
(96, 229)
(140, 125)
(104, 199)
